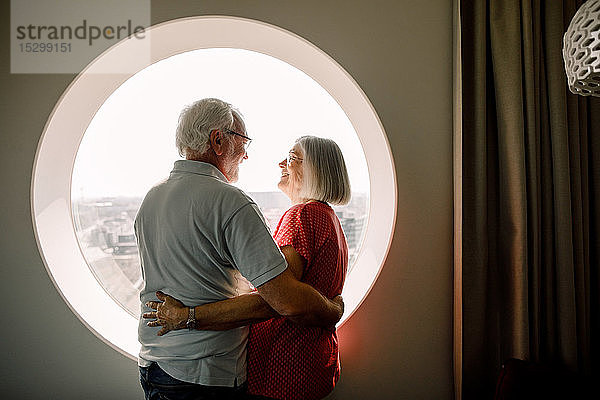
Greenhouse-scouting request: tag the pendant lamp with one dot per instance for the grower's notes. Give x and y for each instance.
(581, 50)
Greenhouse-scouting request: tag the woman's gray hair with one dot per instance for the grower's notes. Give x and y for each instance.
(199, 119)
(324, 171)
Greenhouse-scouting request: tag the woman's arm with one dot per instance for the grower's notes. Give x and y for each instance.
(297, 301)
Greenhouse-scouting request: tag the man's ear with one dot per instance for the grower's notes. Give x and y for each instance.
(216, 142)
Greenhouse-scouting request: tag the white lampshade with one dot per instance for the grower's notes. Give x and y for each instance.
(581, 50)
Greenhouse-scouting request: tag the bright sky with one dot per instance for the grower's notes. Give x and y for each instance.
(130, 144)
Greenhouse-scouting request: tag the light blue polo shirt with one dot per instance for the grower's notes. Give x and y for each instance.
(199, 237)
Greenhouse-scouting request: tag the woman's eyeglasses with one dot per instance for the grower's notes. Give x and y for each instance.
(291, 157)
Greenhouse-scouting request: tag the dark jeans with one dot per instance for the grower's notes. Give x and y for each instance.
(158, 385)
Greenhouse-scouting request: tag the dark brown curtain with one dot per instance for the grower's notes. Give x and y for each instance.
(530, 195)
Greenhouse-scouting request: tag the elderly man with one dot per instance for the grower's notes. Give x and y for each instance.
(201, 240)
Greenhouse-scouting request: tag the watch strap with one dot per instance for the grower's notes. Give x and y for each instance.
(191, 322)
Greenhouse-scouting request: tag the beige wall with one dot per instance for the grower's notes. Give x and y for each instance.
(398, 344)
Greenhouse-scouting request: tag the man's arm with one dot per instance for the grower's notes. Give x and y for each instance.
(284, 295)
(171, 314)
(298, 301)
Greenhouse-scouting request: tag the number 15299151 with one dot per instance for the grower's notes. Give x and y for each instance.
(35, 47)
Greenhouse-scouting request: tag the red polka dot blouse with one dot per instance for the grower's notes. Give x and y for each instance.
(287, 361)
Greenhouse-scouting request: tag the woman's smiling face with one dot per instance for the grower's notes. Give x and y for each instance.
(291, 174)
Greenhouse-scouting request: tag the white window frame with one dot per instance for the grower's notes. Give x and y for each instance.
(58, 145)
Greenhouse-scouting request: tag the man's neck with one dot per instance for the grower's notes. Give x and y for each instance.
(210, 158)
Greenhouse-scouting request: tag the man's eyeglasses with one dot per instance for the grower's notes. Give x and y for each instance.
(291, 157)
(248, 140)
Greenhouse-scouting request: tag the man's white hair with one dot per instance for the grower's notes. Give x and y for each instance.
(324, 170)
(199, 119)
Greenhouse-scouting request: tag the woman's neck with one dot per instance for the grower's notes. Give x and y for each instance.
(297, 199)
(314, 201)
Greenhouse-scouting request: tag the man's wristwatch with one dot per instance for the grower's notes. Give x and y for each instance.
(191, 322)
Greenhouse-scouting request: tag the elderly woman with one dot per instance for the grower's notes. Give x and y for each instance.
(287, 360)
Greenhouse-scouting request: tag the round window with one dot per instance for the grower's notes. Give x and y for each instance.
(111, 137)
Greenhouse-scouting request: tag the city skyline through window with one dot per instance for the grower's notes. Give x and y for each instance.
(129, 146)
